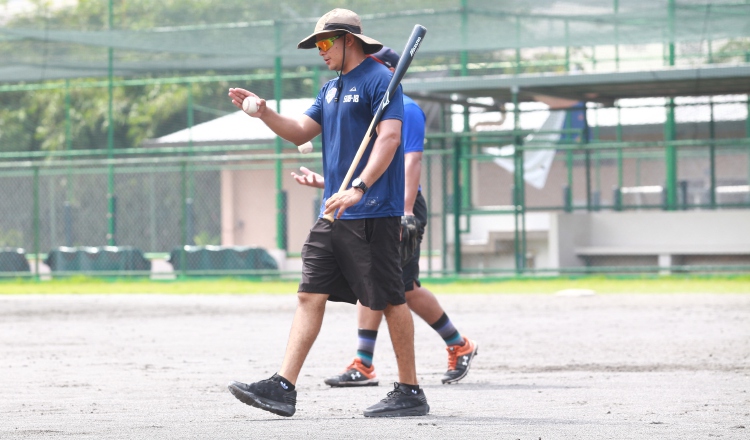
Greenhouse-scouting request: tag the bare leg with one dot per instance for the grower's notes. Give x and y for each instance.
(305, 328)
(369, 319)
(424, 304)
(401, 328)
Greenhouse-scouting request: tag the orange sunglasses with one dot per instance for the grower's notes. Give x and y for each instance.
(326, 44)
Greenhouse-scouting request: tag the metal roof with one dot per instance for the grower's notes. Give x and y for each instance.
(598, 87)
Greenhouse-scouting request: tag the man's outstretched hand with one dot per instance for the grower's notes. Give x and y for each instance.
(309, 178)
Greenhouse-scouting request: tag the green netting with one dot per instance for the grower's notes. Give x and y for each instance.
(197, 35)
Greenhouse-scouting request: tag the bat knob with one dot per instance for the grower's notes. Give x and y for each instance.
(328, 217)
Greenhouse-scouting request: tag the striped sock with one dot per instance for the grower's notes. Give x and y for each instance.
(366, 345)
(447, 331)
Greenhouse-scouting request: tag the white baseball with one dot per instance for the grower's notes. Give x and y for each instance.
(305, 148)
(250, 105)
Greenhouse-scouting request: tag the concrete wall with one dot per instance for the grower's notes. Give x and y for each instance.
(248, 209)
(562, 240)
(652, 237)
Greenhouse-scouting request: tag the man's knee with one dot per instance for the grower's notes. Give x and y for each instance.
(314, 300)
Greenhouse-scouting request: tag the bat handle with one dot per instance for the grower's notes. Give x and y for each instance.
(328, 217)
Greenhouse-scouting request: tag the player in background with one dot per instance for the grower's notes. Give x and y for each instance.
(461, 350)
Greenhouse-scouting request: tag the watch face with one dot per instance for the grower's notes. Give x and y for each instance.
(356, 182)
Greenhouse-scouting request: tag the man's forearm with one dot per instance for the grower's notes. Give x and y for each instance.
(383, 150)
(291, 129)
(413, 171)
(380, 158)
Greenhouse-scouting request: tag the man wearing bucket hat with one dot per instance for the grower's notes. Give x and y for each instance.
(355, 258)
(461, 350)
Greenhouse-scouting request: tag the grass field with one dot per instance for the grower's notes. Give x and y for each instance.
(599, 284)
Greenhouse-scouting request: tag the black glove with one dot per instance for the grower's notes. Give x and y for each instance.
(409, 235)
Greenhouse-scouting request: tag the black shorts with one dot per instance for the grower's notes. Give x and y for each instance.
(354, 260)
(411, 268)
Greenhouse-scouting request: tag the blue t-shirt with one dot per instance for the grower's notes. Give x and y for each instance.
(344, 125)
(413, 128)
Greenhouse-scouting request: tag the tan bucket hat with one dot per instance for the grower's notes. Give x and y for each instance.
(342, 20)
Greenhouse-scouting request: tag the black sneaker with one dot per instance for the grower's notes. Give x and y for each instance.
(355, 375)
(269, 395)
(459, 360)
(401, 402)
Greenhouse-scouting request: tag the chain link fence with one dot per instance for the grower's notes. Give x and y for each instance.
(121, 154)
(183, 213)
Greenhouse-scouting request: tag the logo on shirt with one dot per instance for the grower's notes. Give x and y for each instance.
(330, 94)
(353, 89)
(351, 98)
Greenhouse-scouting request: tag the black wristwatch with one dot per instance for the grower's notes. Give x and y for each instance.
(358, 183)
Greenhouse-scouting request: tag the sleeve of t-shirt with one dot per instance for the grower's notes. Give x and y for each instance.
(315, 112)
(413, 130)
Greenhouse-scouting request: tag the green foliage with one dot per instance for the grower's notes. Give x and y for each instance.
(12, 238)
(205, 238)
(734, 50)
(34, 121)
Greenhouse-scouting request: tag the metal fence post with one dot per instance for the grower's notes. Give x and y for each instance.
(519, 209)
(671, 158)
(278, 168)
(712, 155)
(457, 205)
(36, 222)
(183, 220)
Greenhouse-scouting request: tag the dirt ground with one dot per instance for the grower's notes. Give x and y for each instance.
(156, 367)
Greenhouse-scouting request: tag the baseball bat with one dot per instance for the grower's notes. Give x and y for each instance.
(412, 45)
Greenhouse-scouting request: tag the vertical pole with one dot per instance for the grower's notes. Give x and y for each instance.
(712, 155)
(52, 198)
(68, 123)
(67, 205)
(519, 209)
(568, 190)
(518, 45)
(671, 23)
(464, 37)
(428, 174)
(316, 81)
(747, 124)
(619, 161)
(457, 204)
(465, 165)
(152, 209)
(670, 129)
(189, 199)
(671, 156)
(183, 222)
(277, 93)
(110, 138)
(36, 222)
(593, 58)
(444, 211)
(567, 46)
(587, 155)
(617, 35)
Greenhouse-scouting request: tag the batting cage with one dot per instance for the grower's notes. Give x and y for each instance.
(562, 137)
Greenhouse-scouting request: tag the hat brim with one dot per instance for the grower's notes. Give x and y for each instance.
(369, 45)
